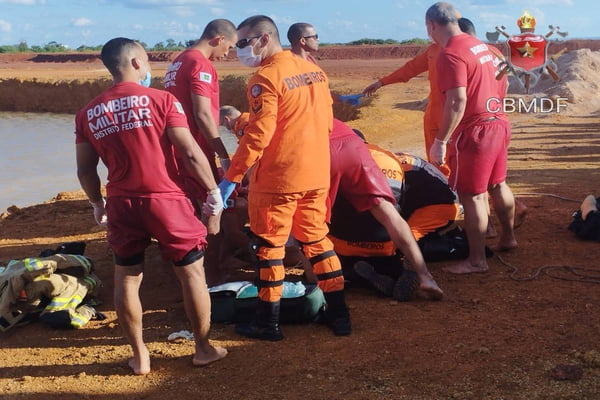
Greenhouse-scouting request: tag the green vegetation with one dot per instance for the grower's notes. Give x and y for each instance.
(171, 45)
(373, 41)
(367, 41)
(55, 47)
(416, 41)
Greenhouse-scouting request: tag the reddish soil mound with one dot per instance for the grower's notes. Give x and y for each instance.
(65, 57)
(333, 52)
(56, 97)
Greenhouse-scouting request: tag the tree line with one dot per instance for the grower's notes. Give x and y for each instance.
(172, 45)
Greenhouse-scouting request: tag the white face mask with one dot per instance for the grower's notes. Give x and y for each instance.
(248, 58)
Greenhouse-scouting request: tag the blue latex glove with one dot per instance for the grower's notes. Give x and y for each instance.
(352, 99)
(226, 188)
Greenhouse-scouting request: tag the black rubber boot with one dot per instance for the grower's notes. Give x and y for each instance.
(337, 316)
(265, 325)
(405, 288)
(382, 283)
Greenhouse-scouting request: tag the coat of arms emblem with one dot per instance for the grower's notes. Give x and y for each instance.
(528, 55)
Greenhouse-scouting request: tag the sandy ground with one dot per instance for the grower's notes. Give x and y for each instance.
(492, 337)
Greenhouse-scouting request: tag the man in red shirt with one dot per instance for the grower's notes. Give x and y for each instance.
(424, 62)
(137, 131)
(192, 78)
(477, 138)
(359, 189)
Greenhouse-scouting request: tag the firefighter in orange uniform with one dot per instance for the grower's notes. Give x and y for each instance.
(424, 62)
(287, 143)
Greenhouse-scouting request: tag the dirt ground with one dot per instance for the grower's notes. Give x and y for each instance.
(491, 337)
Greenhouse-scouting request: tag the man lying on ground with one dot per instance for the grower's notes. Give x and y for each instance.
(364, 220)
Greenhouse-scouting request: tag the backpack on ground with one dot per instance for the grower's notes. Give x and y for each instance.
(235, 302)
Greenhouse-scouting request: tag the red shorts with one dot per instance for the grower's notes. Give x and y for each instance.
(477, 156)
(356, 176)
(132, 221)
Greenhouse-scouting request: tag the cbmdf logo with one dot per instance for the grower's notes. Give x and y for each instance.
(528, 52)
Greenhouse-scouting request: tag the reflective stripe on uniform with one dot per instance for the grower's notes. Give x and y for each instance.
(84, 261)
(63, 303)
(78, 320)
(321, 257)
(33, 264)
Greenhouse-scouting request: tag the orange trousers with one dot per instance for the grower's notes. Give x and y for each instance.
(431, 218)
(273, 216)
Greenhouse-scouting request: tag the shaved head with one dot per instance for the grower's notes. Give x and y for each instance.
(259, 24)
(117, 52)
(228, 111)
(219, 27)
(297, 31)
(467, 26)
(442, 13)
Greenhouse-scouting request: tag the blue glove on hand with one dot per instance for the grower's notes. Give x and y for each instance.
(352, 99)
(226, 188)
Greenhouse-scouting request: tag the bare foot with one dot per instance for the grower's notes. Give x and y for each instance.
(430, 290)
(505, 246)
(140, 364)
(465, 267)
(521, 211)
(204, 358)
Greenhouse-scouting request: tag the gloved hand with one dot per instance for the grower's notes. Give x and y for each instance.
(226, 188)
(437, 152)
(100, 212)
(214, 203)
(352, 99)
(225, 164)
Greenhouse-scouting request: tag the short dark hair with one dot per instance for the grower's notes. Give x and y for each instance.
(467, 26)
(297, 31)
(218, 27)
(442, 13)
(113, 51)
(260, 24)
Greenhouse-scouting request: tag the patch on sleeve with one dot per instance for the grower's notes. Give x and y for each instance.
(179, 107)
(205, 77)
(256, 105)
(255, 91)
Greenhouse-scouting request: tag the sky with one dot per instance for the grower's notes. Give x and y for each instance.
(93, 22)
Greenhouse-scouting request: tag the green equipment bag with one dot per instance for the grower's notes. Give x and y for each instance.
(235, 302)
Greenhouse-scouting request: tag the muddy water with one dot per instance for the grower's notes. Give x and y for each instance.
(37, 157)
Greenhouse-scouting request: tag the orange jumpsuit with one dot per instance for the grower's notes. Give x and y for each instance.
(426, 61)
(287, 141)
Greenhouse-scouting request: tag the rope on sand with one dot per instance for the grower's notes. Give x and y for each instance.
(548, 195)
(578, 274)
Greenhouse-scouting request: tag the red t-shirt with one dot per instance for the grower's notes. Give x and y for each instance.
(126, 124)
(467, 62)
(354, 173)
(191, 72)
